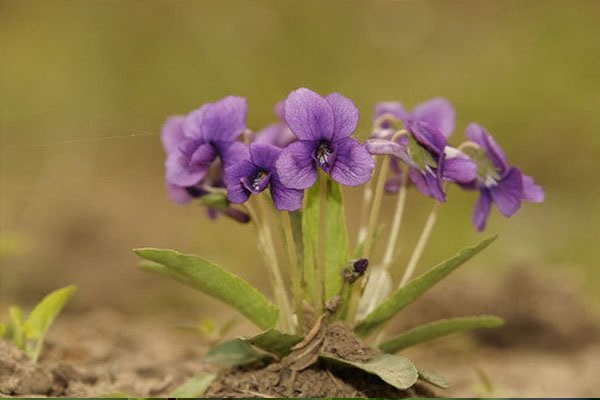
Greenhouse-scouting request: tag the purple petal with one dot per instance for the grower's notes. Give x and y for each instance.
(477, 133)
(256, 183)
(192, 125)
(437, 113)
(224, 120)
(458, 167)
(393, 184)
(264, 155)
(236, 192)
(387, 147)
(507, 194)
(431, 138)
(427, 183)
(232, 152)
(276, 134)
(532, 191)
(345, 115)
(296, 167)
(279, 110)
(178, 194)
(481, 211)
(309, 115)
(393, 108)
(172, 133)
(188, 165)
(353, 164)
(285, 199)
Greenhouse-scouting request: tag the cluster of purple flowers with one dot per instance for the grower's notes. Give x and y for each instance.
(210, 151)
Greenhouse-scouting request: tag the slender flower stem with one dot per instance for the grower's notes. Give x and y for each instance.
(267, 249)
(418, 251)
(364, 213)
(295, 272)
(397, 222)
(321, 273)
(376, 206)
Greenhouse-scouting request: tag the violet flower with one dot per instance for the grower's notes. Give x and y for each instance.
(424, 148)
(253, 176)
(277, 134)
(209, 133)
(497, 181)
(324, 126)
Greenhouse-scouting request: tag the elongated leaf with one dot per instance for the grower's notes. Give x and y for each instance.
(438, 329)
(16, 327)
(310, 235)
(212, 280)
(395, 370)
(409, 293)
(194, 387)
(44, 313)
(434, 378)
(296, 222)
(336, 238)
(231, 353)
(274, 342)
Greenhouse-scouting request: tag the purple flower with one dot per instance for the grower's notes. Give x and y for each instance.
(277, 134)
(209, 133)
(497, 181)
(323, 126)
(253, 176)
(424, 149)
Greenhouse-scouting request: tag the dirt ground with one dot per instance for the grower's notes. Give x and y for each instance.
(549, 347)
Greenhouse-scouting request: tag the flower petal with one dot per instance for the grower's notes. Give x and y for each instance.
(224, 120)
(285, 199)
(437, 113)
(172, 133)
(309, 115)
(459, 168)
(264, 155)
(507, 194)
(345, 115)
(178, 194)
(532, 191)
(478, 134)
(236, 191)
(427, 183)
(353, 164)
(232, 152)
(389, 148)
(296, 167)
(192, 125)
(428, 136)
(188, 165)
(277, 134)
(481, 211)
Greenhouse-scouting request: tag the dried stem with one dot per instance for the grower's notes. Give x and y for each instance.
(418, 251)
(397, 222)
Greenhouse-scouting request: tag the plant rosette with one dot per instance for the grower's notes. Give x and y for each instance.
(289, 178)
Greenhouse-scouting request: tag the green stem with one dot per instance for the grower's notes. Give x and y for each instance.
(364, 213)
(320, 273)
(267, 249)
(418, 251)
(295, 272)
(397, 222)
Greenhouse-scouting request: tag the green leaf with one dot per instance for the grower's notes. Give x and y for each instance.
(194, 387)
(434, 378)
(409, 293)
(438, 329)
(46, 311)
(395, 370)
(310, 235)
(16, 327)
(231, 353)
(212, 280)
(296, 223)
(336, 238)
(419, 154)
(274, 342)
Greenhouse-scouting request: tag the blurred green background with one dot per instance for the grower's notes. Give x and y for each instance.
(86, 85)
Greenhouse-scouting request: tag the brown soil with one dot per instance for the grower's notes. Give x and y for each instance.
(549, 348)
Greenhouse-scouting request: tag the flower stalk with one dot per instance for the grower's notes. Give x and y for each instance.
(295, 272)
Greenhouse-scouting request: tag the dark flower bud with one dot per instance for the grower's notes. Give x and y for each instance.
(360, 266)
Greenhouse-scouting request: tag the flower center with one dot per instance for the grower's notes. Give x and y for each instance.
(258, 178)
(322, 154)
